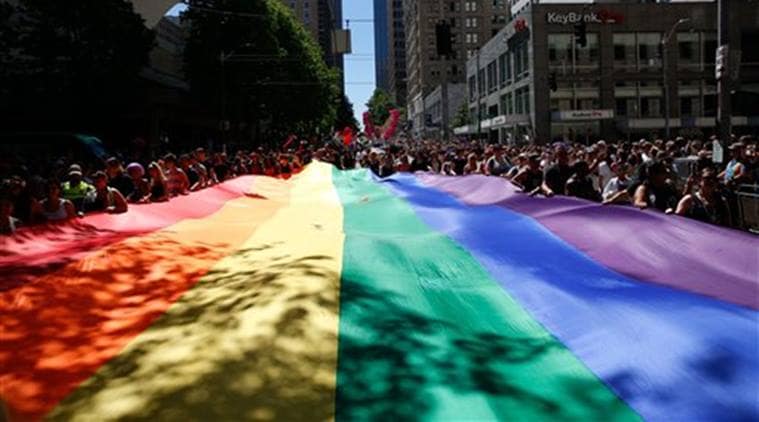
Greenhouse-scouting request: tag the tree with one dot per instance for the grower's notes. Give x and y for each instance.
(272, 72)
(346, 115)
(71, 60)
(462, 116)
(379, 105)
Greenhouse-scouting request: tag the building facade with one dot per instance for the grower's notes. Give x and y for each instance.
(472, 23)
(382, 40)
(534, 82)
(433, 104)
(390, 48)
(321, 18)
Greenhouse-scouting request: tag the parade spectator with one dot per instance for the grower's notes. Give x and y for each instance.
(654, 191)
(8, 223)
(141, 192)
(580, 185)
(615, 191)
(158, 189)
(75, 189)
(735, 171)
(107, 199)
(117, 178)
(556, 176)
(473, 165)
(221, 167)
(530, 178)
(706, 204)
(497, 164)
(54, 207)
(177, 182)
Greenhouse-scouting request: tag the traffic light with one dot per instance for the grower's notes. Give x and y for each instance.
(443, 38)
(581, 34)
(552, 82)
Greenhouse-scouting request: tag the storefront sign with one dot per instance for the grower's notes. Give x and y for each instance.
(574, 115)
(571, 18)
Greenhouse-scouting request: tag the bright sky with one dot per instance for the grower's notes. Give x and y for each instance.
(359, 66)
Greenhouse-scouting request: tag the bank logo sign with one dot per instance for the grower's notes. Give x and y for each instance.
(571, 18)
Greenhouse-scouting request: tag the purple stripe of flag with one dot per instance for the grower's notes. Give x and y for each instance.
(645, 245)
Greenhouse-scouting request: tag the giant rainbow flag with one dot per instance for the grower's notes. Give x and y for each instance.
(335, 295)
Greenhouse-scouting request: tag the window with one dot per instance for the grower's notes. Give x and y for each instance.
(521, 61)
(648, 50)
(492, 76)
(587, 58)
(472, 88)
(690, 107)
(522, 100)
(504, 69)
(650, 107)
(560, 51)
(710, 47)
(507, 104)
(688, 50)
(750, 38)
(624, 51)
(710, 99)
(481, 82)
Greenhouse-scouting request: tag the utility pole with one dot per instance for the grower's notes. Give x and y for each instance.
(722, 72)
(477, 95)
(444, 72)
(665, 73)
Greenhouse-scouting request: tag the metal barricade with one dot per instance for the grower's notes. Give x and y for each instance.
(748, 207)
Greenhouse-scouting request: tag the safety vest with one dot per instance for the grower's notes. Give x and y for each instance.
(78, 191)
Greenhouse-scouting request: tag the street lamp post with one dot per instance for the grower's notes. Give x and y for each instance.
(665, 76)
(477, 96)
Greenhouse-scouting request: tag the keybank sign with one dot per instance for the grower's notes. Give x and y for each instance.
(572, 18)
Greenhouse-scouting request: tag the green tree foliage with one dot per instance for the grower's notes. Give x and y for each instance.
(379, 105)
(273, 72)
(345, 115)
(66, 59)
(462, 116)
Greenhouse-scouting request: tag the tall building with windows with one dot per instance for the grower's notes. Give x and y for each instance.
(390, 48)
(534, 81)
(321, 18)
(472, 22)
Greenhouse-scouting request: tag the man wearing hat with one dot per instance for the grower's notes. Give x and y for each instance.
(76, 189)
(735, 170)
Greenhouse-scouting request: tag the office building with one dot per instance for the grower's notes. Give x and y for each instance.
(472, 22)
(390, 48)
(321, 18)
(533, 81)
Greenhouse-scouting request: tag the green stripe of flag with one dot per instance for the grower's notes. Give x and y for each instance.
(426, 334)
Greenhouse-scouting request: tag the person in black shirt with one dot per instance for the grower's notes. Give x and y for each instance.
(556, 176)
(706, 204)
(117, 177)
(530, 178)
(192, 174)
(655, 191)
(580, 185)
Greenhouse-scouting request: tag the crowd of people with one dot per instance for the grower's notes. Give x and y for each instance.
(644, 174)
(677, 176)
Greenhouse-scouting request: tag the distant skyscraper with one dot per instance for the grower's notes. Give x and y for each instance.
(381, 44)
(390, 48)
(321, 17)
(473, 23)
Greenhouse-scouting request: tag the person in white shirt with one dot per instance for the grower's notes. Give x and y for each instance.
(615, 191)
